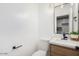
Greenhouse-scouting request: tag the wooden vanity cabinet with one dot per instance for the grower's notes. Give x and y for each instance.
(56, 50)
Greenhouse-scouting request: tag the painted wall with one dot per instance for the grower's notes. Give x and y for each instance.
(75, 14)
(45, 20)
(24, 24)
(18, 26)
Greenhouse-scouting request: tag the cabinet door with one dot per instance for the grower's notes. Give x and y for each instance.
(62, 51)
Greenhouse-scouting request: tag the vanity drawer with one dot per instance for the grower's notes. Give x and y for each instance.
(56, 54)
(63, 51)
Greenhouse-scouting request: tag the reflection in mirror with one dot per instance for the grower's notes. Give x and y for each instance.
(62, 17)
(63, 24)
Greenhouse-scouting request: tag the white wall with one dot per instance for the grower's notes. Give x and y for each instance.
(18, 26)
(75, 14)
(45, 20)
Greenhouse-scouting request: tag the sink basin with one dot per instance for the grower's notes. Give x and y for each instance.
(66, 43)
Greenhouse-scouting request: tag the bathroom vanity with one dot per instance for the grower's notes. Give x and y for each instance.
(66, 21)
(59, 47)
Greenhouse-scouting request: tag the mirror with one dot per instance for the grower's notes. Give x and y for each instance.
(63, 16)
(62, 24)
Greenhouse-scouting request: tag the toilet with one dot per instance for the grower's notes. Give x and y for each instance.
(40, 53)
(42, 48)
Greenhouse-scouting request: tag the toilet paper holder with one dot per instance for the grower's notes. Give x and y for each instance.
(15, 47)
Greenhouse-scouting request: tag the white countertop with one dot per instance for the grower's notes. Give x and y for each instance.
(66, 43)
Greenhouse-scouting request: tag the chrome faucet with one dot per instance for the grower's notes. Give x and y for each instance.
(64, 36)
